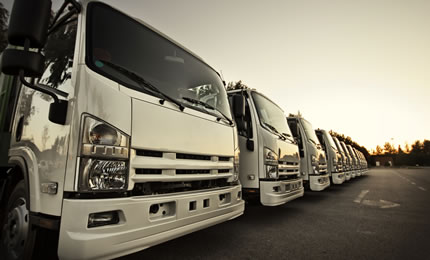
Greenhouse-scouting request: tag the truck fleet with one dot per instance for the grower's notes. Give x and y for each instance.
(112, 146)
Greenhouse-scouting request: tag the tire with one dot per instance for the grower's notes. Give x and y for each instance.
(19, 239)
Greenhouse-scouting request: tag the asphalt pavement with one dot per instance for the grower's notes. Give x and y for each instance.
(382, 215)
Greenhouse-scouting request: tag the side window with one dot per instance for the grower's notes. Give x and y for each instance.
(59, 51)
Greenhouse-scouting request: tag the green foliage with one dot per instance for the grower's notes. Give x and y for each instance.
(418, 154)
(236, 85)
(4, 14)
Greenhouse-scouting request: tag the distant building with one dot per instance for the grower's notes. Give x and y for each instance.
(383, 160)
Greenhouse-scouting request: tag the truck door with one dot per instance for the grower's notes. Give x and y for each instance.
(248, 145)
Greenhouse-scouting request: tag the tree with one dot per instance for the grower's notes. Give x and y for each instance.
(378, 150)
(426, 147)
(238, 85)
(389, 149)
(407, 148)
(417, 147)
(4, 15)
(399, 150)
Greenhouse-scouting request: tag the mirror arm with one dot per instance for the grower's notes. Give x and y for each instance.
(76, 5)
(59, 12)
(33, 86)
(38, 88)
(60, 22)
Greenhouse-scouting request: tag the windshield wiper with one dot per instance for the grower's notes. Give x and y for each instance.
(143, 83)
(271, 127)
(206, 105)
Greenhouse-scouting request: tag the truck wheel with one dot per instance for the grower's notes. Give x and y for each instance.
(20, 240)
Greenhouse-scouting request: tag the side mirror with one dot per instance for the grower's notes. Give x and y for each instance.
(240, 123)
(13, 61)
(29, 21)
(238, 106)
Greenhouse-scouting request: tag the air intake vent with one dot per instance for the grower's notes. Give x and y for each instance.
(223, 159)
(192, 156)
(224, 171)
(149, 153)
(193, 171)
(148, 171)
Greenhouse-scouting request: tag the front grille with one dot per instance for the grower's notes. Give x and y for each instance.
(149, 153)
(192, 156)
(148, 171)
(193, 171)
(152, 166)
(224, 159)
(224, 171)
(152, 188)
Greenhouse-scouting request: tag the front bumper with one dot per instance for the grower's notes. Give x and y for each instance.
(287, 190)
(138, 228)
(319, 182)
(338, 177)
(347, 175)
(353, 174)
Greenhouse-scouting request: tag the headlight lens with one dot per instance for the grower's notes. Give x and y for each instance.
(100, 133)
(271, 163)
(313, 159)
(102, 175)
(104, 157)
(236, 164)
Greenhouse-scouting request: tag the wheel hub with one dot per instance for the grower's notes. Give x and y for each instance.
(16, 228)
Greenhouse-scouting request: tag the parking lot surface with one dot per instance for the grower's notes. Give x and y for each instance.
(382, 215)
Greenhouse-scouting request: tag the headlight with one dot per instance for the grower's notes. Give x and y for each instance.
(102, 175)
(313, 159)
(315, 169)
(104, 157)
(236, 164)
(271, 164)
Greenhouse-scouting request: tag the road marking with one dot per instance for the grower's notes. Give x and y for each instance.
(388, 204)
(383, 204)
(411, 182)
(361, 196)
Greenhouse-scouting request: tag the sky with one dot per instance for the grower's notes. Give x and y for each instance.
(360, 68)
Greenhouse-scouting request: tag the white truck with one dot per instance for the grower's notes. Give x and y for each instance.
(350, 160)
(114, 137)
(334, 158)
(345, 159)
(355, 160)
(313, 163)
(269, 156)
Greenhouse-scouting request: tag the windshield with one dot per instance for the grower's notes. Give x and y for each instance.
(310, 132)
(122, 42)
(345, 150)
(330, 140)
(271, 116)
(339, 148)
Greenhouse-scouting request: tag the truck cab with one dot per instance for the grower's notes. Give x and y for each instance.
(269, 156)
(313, 163)
(334, 158)
(118, 137)
(360, 160)
(345, 159)
(355, 160)
(350, 159)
